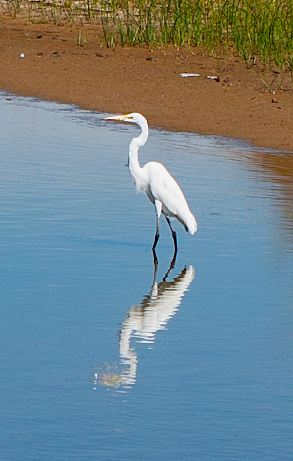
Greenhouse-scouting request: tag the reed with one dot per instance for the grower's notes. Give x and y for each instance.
(250, 28)
(262, 28)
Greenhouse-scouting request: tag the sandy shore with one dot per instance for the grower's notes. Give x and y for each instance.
(237, 104)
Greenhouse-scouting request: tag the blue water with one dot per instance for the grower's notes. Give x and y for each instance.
(100, 359)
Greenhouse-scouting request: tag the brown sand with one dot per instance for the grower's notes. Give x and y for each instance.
(136, 79)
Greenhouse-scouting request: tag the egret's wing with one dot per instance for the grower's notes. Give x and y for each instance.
(164, 188)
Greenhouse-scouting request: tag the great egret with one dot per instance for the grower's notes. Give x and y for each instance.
(153, 179)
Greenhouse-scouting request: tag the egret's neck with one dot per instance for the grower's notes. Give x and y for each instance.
(135, 144)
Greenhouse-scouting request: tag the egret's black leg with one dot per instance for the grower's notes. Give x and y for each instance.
(157, 236)
(155, 265)
(173, 261)
(172, 264)
(174, 237)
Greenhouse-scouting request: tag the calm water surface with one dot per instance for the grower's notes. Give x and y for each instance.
(100, 359)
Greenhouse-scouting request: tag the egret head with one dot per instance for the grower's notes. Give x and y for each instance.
(138, 119)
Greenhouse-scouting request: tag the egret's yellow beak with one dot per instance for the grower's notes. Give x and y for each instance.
(120, 118)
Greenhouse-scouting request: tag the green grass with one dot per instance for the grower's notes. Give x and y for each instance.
(262, 28)
(251, 28)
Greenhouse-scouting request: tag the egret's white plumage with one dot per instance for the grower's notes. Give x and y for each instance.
(153, 179)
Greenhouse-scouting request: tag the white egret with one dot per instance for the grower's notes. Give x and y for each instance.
(153, 179)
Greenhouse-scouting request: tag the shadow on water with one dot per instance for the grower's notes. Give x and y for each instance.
(142, 322)
(276, 168)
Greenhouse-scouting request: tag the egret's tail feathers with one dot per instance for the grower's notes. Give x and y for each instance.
(191, 224)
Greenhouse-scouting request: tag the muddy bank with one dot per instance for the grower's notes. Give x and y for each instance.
(236, 104)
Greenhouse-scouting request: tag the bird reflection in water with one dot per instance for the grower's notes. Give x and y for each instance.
(143, 321)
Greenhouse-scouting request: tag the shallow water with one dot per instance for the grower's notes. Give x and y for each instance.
(98, 359)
